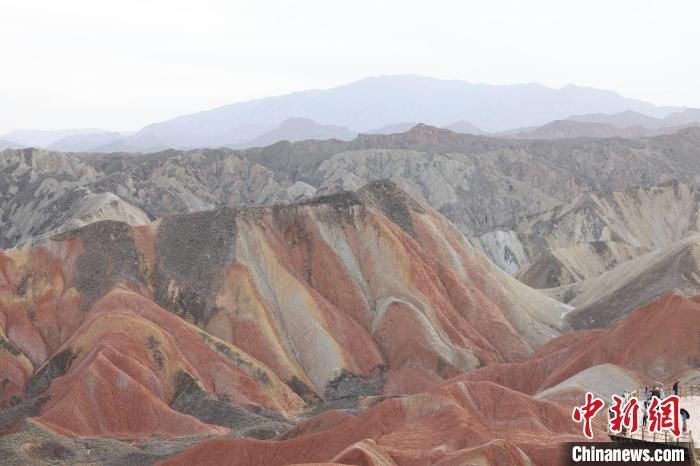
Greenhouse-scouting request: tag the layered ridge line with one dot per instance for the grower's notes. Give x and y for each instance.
(265, 310)
(509, 413)
(655, 344)
(456, 423)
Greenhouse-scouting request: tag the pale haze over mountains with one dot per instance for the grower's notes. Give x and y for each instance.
(383, 105)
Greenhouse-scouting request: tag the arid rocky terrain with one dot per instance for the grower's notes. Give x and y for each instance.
(368, 233)
(422, 297)
(480, 183)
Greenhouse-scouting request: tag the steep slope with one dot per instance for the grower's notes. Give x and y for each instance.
(563, 266)
(47, 193)
(605, 299)
(528, 403)
(43, 192)
(87, 209)
(132, 354)
(240, 323)
(504, 248)
(458, 423)
(40, 195)
(656, 344)
(464, 419)
(214, 319)
(76, 311)
(593, 233)
(482, 183)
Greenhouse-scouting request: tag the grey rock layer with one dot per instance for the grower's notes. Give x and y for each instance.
(482, 184)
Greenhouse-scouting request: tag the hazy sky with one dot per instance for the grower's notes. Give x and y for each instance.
(123, 64)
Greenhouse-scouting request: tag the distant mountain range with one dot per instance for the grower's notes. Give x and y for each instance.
(624, 119)
(68, 140)
(630, 118)
(461, 126)
(380, 101)
(387, 104)
(86, 142)
(4, 144)
(566, 129)
(298, 129)
(44, 138)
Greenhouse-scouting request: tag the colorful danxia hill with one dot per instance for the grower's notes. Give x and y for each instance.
(352, 328)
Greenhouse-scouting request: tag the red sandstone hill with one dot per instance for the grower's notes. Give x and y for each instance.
(457, 423)
(356, 328)
(201, 323)
(656, 343)
(476, 418)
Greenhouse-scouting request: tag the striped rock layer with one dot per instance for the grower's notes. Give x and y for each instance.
(185, 325)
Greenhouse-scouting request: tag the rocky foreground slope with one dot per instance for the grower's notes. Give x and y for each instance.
(526, 406)
(356, 328)
(237, 322)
